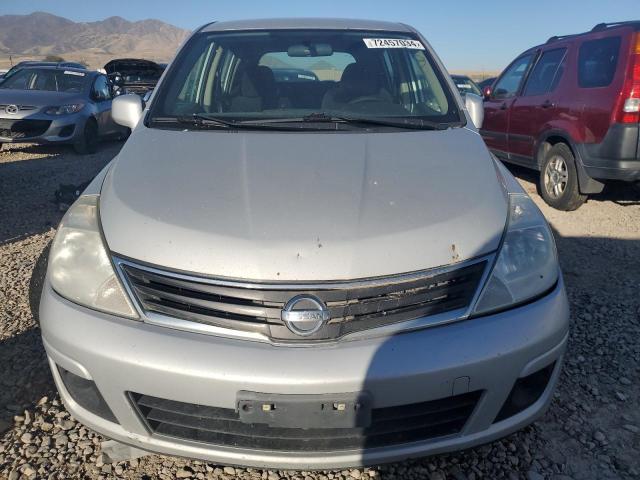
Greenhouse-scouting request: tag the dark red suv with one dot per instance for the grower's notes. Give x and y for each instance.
(571, 109)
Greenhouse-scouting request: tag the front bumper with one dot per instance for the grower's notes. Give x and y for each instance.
(488, 353)
(41, 128)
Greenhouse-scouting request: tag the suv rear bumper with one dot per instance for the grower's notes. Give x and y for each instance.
(486, 355)
(617, 157)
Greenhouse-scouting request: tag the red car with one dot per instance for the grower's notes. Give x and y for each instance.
(571, 109)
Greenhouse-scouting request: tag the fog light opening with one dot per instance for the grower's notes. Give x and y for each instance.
(525, 392)
(86, 394)
(67, 131)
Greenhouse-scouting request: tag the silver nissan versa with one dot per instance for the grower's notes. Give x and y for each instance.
(304, 274)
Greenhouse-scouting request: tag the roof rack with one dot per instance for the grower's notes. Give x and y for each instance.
(604, 26)
(556, 38)
(598, 28)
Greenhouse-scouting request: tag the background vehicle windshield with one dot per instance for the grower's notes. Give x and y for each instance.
(284, 73)
(46, 79)
(466, 85)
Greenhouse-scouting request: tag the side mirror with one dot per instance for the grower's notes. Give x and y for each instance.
(126, 110)
(475, 107)
(486, 92)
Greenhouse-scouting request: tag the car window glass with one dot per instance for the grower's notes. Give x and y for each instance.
(543, 75)
(306, 69)
(255, 75)
(52, 80)
(101, 90)
(466, 85)
(509, 83)
(597, 61)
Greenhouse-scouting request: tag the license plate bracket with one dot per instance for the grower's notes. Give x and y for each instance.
(343, 410)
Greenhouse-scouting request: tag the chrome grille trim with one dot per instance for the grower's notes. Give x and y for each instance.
(270, 296)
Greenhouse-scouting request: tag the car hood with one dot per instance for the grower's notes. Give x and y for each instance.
(36, 98)
(302, 206)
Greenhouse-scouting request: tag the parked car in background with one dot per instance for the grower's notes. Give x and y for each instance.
(134, 75)
(487, 82)
(30, 63)
(52, 104)
(465, 85)
(326, 276)
(571, 109)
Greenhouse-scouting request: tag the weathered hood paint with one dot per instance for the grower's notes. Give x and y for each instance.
(302, 206)
(37, 98)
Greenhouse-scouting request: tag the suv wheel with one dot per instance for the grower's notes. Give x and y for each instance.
(559, 179)
(89, 141)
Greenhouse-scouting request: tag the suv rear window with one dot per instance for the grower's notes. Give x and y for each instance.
(597, 62)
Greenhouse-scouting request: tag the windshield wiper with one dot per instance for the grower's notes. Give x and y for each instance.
(204, 121)
(321, 117)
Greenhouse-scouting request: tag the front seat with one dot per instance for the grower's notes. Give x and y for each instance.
(257, 91)
(245, 97)
(265, 82)
(358, 81)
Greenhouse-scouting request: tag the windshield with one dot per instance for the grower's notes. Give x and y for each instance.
(466, 85)
(52, 80)
(284, 74)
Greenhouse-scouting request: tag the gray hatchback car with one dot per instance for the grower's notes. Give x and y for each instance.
(57, 105)
(304, 275)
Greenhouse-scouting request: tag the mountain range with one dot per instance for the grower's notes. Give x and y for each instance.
(39, 34)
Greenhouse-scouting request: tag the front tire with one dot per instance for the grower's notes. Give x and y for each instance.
(88, 143)
(558, 180)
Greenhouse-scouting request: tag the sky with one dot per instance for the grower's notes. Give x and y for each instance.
(480, 35)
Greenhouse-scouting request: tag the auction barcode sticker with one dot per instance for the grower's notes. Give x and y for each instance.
(392, 43)
(71, 72)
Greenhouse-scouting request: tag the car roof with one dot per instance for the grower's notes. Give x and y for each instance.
(61, 68)
(306, 23)
(601, 27)
(26, 63)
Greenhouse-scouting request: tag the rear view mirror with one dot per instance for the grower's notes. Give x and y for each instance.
(312, 50)
(475, 107)
(126, 110)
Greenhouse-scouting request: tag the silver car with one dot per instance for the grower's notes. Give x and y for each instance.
(304, 275)
(57, 105)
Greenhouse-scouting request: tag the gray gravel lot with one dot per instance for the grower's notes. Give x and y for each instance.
(592, 429)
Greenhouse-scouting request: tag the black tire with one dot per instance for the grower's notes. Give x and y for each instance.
(558, 181)
(88, 143)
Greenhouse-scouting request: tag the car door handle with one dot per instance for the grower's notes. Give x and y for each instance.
(548, 104)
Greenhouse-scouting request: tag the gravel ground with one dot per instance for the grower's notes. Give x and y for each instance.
(592, 429)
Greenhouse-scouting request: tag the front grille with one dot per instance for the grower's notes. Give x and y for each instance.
(389, 426)
(352, 306)
(19, 129)
(21, 108)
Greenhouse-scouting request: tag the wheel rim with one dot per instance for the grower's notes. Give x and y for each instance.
(556, 176)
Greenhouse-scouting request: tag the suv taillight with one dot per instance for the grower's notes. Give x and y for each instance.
(628, 110)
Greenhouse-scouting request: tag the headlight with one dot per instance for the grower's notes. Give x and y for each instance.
(527, 264)
(79, 267)
(64, 109)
